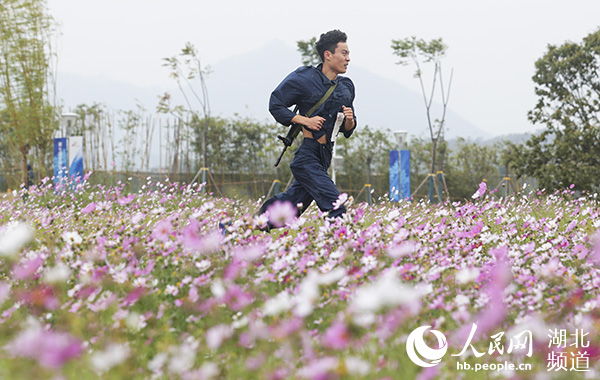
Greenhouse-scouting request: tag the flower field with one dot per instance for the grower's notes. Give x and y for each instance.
(100, 283)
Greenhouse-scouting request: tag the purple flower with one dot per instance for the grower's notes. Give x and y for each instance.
(190, 235)
(27, 269)
(126, 200)
(319, 369)
(50, 348)
(480, 191)
(336, 336)
(89, 208)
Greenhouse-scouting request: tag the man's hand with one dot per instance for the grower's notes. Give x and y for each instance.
(313, 123)
(349, 115)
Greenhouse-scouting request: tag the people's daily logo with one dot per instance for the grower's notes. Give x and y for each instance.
(420, 353)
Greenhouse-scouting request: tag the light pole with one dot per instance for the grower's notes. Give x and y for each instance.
(67, 123)
(400, 138)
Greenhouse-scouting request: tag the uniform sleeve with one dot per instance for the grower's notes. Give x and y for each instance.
(287, 93)
(349, 133)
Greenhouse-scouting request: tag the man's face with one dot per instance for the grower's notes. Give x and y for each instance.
(338, 61)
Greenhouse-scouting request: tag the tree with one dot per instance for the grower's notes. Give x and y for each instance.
(568, 89)
(415, 50)
(308, 50)
(25, 86)
(362, 155)
(189, 73)
(470, 163)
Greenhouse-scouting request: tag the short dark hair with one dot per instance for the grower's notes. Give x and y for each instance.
(329, 41)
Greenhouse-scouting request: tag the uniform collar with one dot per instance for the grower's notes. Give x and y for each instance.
(326, 81)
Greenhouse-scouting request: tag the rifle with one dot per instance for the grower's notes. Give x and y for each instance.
(289, 138)
(296, 128)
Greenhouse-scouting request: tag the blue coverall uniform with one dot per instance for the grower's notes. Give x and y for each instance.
(305, 87)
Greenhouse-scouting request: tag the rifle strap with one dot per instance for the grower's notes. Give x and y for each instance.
(322, 100)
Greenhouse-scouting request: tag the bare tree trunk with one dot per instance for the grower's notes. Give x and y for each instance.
(24, 151)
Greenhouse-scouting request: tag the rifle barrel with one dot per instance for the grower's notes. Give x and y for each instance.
(281, 155)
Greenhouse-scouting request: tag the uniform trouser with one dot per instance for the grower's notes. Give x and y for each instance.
(311, 181)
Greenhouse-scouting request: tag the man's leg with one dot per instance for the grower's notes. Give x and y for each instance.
(311, 173)
(295, 194)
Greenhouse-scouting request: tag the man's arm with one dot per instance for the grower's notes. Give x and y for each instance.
(349, 115)
(314, 123)
(289, 92)
(348, 110)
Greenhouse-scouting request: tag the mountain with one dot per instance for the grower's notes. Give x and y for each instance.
(242, 85)
(74, 89)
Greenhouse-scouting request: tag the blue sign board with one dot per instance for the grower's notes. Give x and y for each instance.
(394, 176)
(76, 158)
(60, 160)
(405, 174)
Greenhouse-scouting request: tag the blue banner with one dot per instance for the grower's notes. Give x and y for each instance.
(405, 174)
(60, 160)
(76, 158)
(394, 176)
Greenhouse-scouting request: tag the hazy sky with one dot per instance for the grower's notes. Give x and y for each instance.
(492, 45)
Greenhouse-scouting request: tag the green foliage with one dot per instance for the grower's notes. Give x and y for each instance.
(28, 117)
(412, 48)
(307, 49)
(469, 164)
(415, 50)
(568, 89)
(365, 154)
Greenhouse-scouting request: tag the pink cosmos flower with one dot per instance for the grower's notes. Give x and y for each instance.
(217, 334)
(89, 208)
(429, 373)
(319, 369)
(193, 294)
(480, 191)
(336, 336)
(50, 348)
(249, 253)
(340, 201)
(126, 200)
(40, 297)
(281, 213)
(162, 230)
(594, 257)
(27, 269)
(195, 240)
(237, 299)
(190, 235)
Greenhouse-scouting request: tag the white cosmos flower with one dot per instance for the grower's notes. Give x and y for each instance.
(57, 274)
(114, 354)
(172, 290)
(280, 303)
(466, 275)
(72, 237)
(217, 334)
(13, 237)
(387, 290)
